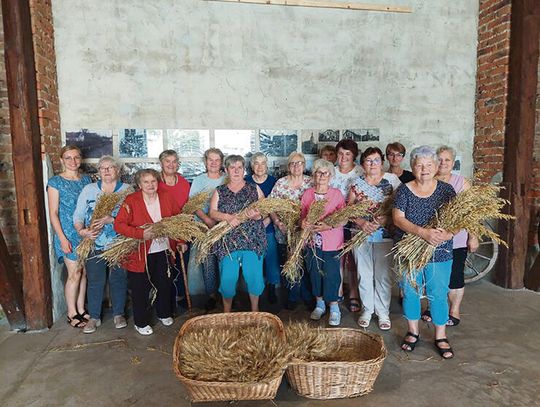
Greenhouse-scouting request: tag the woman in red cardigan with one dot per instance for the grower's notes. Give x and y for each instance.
(150, 266)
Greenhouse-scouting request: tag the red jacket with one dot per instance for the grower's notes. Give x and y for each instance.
(133, 214)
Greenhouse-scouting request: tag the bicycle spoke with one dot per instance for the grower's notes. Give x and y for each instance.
(482, 256)
(484, 243)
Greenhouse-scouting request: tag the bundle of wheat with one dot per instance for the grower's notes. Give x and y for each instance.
(104, 207)
(469, 210)
(309, 343)
(293, 270)
(196, 202)
(347, 213)
(233, 354)
(282, 207)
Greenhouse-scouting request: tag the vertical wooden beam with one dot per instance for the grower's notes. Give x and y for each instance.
(519, 138)
(11, 297)
(26, 147)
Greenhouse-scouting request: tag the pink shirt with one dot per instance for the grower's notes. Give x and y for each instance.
(162, 243)
(331, 239)
(458, 183)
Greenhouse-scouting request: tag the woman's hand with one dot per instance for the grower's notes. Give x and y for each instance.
(89, 233)
(99, 223)
(253, 214)
(435, 236)
(66, 246)
(473, 243)
(321, 227)
(306, 225)
(233, 220)
(148, 234)
(281, 226)
(381, 220)
(366, 226)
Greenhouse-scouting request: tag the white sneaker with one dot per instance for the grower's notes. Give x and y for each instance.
(166, 321)
(91, 326)
(119, 321)
(334, 319)
(145, 330)
(317, 313)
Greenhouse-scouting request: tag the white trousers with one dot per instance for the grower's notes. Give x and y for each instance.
(374, 282)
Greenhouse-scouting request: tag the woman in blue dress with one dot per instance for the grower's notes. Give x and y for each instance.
(62, 191)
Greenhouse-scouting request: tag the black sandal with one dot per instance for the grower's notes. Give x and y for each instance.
(354, 305)
(83, 315)
(410, 344)
(442, 351)
(426, 316)
(452, 321)
(81, 321)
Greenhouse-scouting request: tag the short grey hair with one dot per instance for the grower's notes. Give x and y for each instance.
(109, 159)
(442, 149)
(258, 156)
(168, 153)
(423, 152)
(322, 164)
(233, 159)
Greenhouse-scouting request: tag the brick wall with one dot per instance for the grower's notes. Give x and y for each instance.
(534, 194)
(491, 86)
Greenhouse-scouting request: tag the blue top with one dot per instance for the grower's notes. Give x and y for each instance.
(203, 183)
(68, 191)
(86, 203)
(420, 211)
(266, 188)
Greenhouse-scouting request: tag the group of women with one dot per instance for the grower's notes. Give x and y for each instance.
(258, 246)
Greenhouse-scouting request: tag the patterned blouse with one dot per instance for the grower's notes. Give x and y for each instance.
(251, 234)
(283, 190)
(421, 210)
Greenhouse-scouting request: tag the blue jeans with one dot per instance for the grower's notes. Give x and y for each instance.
(435, 277)
(298, 291)
(96, 271)
(323, 268)
(229, 268)
(271, 260)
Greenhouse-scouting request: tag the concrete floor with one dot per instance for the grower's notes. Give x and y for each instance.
(497, 362)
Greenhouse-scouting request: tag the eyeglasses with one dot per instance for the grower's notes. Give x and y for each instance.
(322, 174)
(395, 155)
(296, 163)
(375, 161)
(106, 169)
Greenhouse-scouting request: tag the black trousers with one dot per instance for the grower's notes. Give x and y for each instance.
(161, 276)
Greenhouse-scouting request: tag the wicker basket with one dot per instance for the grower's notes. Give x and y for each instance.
(224, 391)
(332, 380)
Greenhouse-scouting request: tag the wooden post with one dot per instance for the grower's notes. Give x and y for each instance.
(26, 150)
(11, 297)
(519, 138)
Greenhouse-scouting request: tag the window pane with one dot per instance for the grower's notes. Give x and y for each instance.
(190, 169)
(278, 143)
(238, 142)
(188, 143)
(140, 143)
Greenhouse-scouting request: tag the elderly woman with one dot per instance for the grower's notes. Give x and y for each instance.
(208, 182)
(150, 265)
(292, 186)
(245, 244)
(178, 187)
(328, 153)
(321, 255)
(346, 173)
(372, 260)
(102, 232)
(395, 153)
(461, 243)
(62, 193)
(416, 203)
(260, 177)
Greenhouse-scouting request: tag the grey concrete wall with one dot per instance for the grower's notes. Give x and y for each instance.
(198, 64)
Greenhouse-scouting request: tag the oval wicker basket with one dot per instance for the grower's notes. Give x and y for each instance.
(224, 391)
(332, 380)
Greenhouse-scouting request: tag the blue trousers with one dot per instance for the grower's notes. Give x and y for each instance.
(271, 260)
(435, 277)
(323, 268)
(252, 270)
(96, 271)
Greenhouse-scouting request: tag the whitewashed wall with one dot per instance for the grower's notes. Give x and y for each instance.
(199, 64)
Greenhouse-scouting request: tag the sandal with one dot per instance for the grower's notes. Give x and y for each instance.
(443, 351)
(77, 321)
(426, 316)
(452, 321)
(410, 344)
(354, 305)
(385, 324)
(84, 315)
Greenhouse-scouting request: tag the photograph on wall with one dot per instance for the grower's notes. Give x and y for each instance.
(361, 135)
(129, 170)
(188, 143)
(140, 143)
(309, 141)
(329, 135)
(93, 143)
(278, 143)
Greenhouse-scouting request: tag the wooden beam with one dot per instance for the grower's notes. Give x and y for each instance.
(26, 150)
(519, 139)
(11, 296)
(325, 4)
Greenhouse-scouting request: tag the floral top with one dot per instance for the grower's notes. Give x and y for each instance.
(250, 235)
(68, 191)
(283, 190)
(344, 181)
